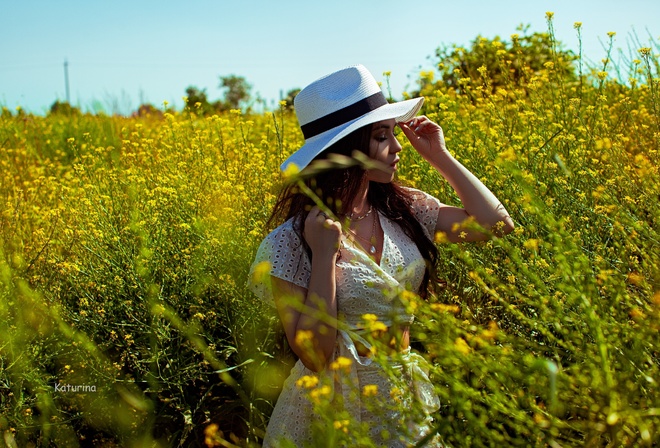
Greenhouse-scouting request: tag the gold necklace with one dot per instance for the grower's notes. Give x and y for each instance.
(360, 218)
(372, 240)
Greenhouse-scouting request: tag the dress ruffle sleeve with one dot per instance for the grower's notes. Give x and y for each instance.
(425, 208)
(282, 255)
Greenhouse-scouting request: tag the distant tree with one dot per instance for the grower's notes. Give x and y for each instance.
(237, 94)
(63, 108)
(198, 102)
(290, 97)
(147, 110)
(504, 62)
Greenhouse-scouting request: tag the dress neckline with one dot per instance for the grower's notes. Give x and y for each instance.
(356, 246)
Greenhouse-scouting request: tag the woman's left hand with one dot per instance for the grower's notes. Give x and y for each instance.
(478, 201)
(425, 136)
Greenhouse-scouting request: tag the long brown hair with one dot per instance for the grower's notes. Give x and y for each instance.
(337, 187)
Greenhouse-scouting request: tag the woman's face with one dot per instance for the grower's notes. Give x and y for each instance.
(384, 148)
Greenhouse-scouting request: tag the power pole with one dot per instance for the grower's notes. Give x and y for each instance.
(66, 80)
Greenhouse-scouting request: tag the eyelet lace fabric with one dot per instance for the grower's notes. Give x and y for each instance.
(363, 287)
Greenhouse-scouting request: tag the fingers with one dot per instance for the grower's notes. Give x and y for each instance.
(321, 232)
(318, 216)
(413, 124)
(321, 216)
(425, 136)
(419, 125)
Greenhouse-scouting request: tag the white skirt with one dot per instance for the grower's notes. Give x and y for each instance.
(358, 399)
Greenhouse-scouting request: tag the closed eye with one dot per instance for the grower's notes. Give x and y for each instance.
(384, 131)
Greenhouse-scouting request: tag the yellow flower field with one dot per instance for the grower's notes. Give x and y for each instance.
(126, 243)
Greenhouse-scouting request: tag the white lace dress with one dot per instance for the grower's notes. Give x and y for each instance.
(363, 287)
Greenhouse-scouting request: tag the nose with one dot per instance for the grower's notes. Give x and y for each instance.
(395, 146)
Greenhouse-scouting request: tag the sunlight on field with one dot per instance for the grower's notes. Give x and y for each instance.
(126, 243)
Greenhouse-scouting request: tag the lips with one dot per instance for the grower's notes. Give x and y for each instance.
(393, 164)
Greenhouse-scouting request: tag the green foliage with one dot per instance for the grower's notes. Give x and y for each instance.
(237, 92)
(507, 63)
(148, 110)
(126, 242)
(290, 96)
(236, 96)
(132, 273)
(63, 108)
(197, 99)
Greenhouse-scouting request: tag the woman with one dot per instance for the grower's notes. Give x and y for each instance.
(334, 273)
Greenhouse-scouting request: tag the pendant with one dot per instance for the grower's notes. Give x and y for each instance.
(372, 250)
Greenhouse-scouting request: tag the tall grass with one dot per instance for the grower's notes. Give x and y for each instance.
(126, 244)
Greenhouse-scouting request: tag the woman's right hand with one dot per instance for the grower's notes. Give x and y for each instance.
(322, 234)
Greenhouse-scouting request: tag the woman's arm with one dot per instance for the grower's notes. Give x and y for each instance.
(478, 201)
(308, 313)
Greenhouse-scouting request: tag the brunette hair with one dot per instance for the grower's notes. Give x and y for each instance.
(337, 187)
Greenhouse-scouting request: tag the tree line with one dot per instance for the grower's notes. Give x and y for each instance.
(503, 61)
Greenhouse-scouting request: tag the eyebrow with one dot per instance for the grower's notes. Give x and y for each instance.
(382, 126)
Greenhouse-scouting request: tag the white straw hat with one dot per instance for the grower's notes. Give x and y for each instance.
(332, 107)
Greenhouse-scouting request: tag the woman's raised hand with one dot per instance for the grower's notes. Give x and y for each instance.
(425, 136)
(323, 235)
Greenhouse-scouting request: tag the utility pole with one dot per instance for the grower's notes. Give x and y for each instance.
(66, 80)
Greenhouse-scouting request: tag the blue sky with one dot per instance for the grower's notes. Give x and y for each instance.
(122, 53)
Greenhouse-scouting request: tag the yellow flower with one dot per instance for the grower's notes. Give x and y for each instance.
(261, 272)
(342, 425)
(635, 278)
(532, 244)
(645, 51)
(491, 333)
(291, 171)
(370, 390)
(318, 393)
(377, 327)
(441, 307)
(462, 346)
(369, 317)
(508, 154)
(303, 337)
(307, 381)
(212, 435)
(396, 394)
(656, 298)
(341, 363)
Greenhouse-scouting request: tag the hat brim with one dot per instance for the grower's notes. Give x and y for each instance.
(401, 112)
